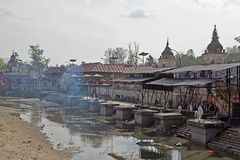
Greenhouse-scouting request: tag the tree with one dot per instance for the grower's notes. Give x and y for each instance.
(233, 54)
(115, 56)
(150, 61)
(3, 65)
(190, 52)
(38, 61)
(133, 53)
(187, 59)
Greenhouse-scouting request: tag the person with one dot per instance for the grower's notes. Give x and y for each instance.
(179, 108)
(199, 112)
(190, 107)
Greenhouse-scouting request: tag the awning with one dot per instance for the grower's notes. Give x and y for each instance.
(180, 82)
(194, 82)
(164, 82)
(134, 80)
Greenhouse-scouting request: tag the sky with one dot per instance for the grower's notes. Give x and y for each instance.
(84, 29)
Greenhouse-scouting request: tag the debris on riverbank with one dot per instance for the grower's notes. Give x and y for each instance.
(20, 140)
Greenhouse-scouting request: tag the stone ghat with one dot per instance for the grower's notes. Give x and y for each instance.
(206, 123)
(108, 108)
(125, 112)
(205, 130)
(168, 122)
(227, 141)
(144, 117)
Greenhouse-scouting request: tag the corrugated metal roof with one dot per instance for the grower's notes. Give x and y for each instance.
(149, 70)
(106, 68)
(164, 82)
(181, 82)
(194, 82)
(213, 67)
(133, 80)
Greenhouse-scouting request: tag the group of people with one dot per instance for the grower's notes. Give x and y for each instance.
(126, 99)
(200, 109)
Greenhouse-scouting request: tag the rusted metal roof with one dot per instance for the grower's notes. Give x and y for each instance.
(108, 68)
(213, 67)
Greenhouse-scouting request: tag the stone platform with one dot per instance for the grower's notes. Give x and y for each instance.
(84, 104)
(140, 106)
(70, 100)
(108, 108)
(206, 130)
(165, 121)
(144, 117)
(124, 112)
(94, 106)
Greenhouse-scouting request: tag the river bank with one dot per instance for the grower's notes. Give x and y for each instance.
(88, 135)
(20, 140)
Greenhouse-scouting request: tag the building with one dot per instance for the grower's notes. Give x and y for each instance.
(94, 78)
(214, 54)
(167, 58)
(18, 74)
(52, 77)
(108, 72)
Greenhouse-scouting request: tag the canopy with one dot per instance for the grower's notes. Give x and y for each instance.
(134, 80)
(213, 67)
(180, 82)
(149, 70)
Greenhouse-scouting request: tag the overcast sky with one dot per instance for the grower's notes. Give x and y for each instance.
(84, 29)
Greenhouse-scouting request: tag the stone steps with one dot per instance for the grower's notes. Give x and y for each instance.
(230, 138)
(224, 148)
(227, 141)
(184, 132)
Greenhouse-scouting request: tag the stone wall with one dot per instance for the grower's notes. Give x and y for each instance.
(209, 58)
(163, 62)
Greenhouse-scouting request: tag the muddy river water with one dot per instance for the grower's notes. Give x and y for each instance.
(93, 136)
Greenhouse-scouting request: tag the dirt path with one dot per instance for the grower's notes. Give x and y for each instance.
(22, 141)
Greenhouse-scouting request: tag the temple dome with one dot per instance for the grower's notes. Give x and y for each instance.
(167, 53)
(215, 47)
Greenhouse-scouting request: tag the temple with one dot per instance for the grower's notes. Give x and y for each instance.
(167, 59)
(214, 54)
(13, 64)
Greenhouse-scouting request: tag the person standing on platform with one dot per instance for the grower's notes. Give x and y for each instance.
(199, 113)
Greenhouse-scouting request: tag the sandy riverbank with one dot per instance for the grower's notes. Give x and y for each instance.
(22, 141)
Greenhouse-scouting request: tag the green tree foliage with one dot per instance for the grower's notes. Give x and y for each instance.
(115, 56)
(133, 52)
(233, 54)
(187, 59)
(38, 61)
(150, 61)
(3, 65)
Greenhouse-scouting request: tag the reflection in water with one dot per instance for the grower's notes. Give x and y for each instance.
(176, 155)
(151, 152)
(94, 140)
(94, 137)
